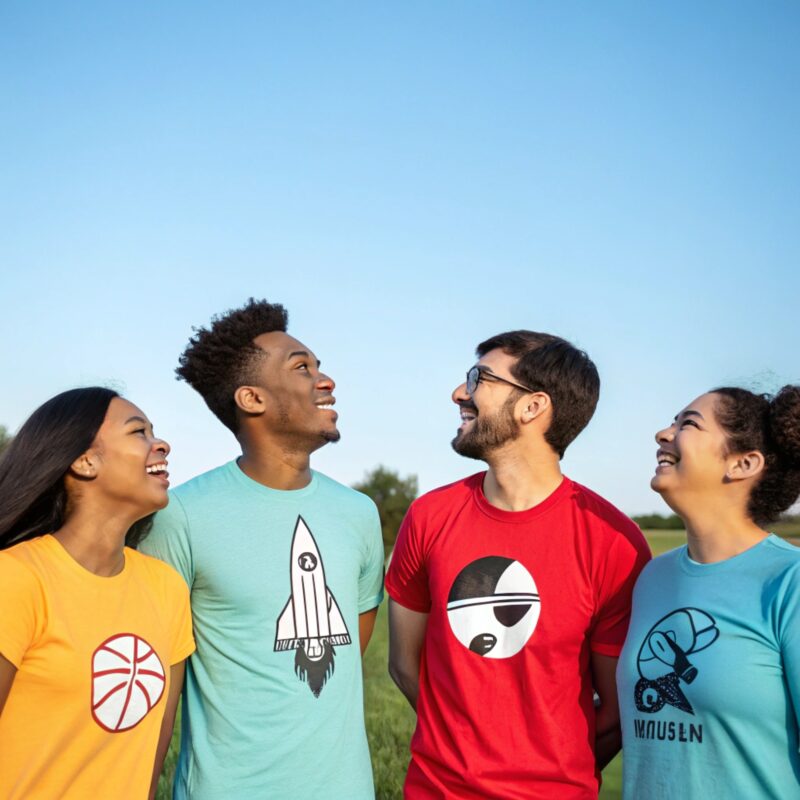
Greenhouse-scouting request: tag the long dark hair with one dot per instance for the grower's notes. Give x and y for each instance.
(33, 498)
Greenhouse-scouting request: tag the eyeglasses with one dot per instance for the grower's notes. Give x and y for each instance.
(476, 375)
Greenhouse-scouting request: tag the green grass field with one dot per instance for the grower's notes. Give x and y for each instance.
(390, 720)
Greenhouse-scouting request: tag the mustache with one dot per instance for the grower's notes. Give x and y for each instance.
(467, 406)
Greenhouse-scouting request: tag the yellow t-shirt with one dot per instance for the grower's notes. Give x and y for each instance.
(93, 659)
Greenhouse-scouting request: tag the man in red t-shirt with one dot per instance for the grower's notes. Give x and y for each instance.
(510, 592)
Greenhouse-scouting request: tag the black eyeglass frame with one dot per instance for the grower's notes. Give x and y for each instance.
(475, 375)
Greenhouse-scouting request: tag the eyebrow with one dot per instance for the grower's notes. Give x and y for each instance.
(136, 419)
(690, 412)
(303, 353)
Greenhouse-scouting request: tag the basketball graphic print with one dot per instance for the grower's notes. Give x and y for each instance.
(493, 606)
(127, 681)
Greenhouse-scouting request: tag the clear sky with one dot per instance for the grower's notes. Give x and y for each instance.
(407, 179)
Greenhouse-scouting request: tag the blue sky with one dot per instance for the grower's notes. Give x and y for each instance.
(407, 179)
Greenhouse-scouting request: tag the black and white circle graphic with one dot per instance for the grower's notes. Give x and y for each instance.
(493, 606)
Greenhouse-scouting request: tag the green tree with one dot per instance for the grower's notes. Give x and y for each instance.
(393, 495)
(659, 522)
(5, 438)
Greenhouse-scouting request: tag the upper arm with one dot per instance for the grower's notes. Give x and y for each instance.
(406, 637)
(604, 681)
(7, 673)
(370, 579)
(366, 624)
(625, 560)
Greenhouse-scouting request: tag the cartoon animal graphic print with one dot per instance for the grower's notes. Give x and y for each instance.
(493, 606)
(311, 622)
(663, 659)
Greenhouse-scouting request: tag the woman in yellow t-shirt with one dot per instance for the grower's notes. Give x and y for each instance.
(93, 634)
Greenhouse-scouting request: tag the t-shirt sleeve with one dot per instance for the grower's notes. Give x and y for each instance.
(183, 641)
(407, 577)
(168, 539)
(370, 579)
(625, 560)
(23, 609)
(789, 632)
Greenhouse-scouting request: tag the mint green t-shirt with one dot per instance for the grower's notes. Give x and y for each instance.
(709, 678)
(273, 702)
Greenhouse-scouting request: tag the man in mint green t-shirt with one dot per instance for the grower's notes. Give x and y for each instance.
(285, 568)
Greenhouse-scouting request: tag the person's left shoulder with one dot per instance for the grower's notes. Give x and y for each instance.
(605, 519)
(353, 500)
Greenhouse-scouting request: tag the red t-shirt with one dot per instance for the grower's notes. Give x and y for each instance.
(517, 600)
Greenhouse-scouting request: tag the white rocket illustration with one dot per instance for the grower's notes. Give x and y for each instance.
(311, 616)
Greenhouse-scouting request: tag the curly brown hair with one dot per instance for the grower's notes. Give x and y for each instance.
(221, 358)
(771, 425)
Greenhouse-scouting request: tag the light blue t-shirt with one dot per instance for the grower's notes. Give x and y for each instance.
(273, 702)
(709, 678)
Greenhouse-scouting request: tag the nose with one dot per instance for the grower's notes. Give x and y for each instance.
(460, 394)
(161, 446)
(325, 382)
(665, 434)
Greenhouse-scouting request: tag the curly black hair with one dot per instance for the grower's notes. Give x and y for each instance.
(770, 425)
(220, 359)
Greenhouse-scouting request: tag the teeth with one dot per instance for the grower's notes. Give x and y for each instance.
(325, 405)
(156, 468)
(466, 416)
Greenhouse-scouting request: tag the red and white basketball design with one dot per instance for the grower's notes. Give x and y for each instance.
(127, 681)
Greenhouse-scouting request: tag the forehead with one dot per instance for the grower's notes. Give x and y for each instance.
(498, 361)
(280, 344)
(120, 411)
(705, 404)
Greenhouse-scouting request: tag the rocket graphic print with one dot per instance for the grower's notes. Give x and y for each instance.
(311, 622)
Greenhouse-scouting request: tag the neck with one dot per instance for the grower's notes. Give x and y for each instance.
(518, 480)
(716, 532)
(95, 538)
(274, 466)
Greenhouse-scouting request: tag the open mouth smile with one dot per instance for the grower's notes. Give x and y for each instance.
(665, 460)
(159, 471)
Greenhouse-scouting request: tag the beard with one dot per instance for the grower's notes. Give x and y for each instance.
(488, 433)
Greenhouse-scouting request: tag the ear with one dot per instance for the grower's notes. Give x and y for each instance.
(534, 406)
(745, 465)
(85, 466)
(250, 399)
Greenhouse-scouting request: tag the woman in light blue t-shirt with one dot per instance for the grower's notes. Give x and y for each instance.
(709, 678)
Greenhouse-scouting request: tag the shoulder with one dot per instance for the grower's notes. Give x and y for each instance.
(204, 484)
(22, 567)
(352, 499)
(605, 519)
(446, 497)
(156, 572)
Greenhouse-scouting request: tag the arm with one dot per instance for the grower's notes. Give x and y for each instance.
(7, 673)
(406, 637)
(366, 623)
(168, 723)
(608, 735)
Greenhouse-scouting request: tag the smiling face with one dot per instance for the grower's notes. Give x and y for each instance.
(692, 458)
(298, 396)
(487, 416)
(126, 462)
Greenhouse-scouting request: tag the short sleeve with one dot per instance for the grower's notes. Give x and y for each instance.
(183, 641)
(789, 636)
(370, 579)
(23, 609)
(407, 577)
(625, 560)
(168, 539)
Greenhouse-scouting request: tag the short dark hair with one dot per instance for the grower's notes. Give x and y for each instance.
(33, 497)
(550, 364)
(220, 359)
(770, 425)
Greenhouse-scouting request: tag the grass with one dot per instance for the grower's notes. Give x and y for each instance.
(390, 720)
